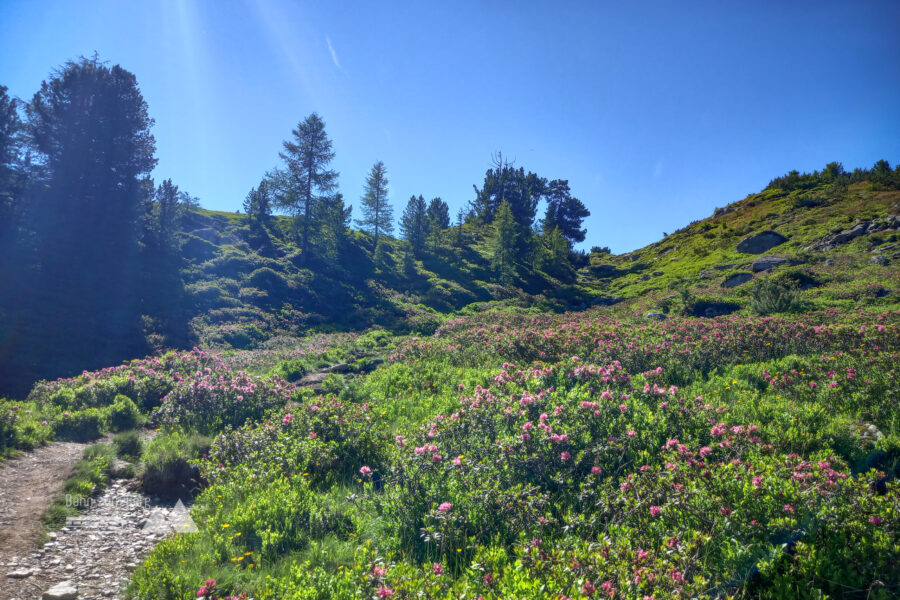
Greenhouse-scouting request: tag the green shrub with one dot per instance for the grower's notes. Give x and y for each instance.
(291, 370)
(8, 435)
(80, 426)
(128, 445)
(769, 296)
(167, 469)
(123, 414)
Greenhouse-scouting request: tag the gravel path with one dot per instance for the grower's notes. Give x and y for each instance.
(92, 557)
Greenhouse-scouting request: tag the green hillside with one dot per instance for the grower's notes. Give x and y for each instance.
(246, 289)
(841, 249)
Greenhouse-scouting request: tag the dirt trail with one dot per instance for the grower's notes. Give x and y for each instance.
(92, 557)
(28, 485)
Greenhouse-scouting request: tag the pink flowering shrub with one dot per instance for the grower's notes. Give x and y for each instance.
(213, 400)
(324, 441)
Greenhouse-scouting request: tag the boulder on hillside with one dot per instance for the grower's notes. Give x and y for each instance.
(880, 260)
(760, 242)
(654, 315)
(768, 262)
(736, 280)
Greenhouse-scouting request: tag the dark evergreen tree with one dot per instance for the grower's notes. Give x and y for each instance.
(163, 294)
(438, 214)
(306, 179)
(12, 135)
(502, 243)
(437, 220)
(378, 214)
(553, 254)
(258, 207)
(335, 219)
(564, 211)
(521, 190)
(460, 219)
(90, 132)
(414, 224)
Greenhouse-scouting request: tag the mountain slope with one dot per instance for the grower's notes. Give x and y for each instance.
(841, 246)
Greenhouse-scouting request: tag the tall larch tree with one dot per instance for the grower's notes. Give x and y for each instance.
(306, 179)
(378, 214)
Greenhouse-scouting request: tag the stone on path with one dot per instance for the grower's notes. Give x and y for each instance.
(61, 591)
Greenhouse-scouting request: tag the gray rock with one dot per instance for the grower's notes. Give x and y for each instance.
(760, 242)
(723, 211)
(338, 368)
(20, 573)
(313, 381)
(768, 262)
(833, 240)
(737, 279)
(880, 260)
(829, 262)
(655, 316)
(646, 278)
(61, 591)
(707, 274)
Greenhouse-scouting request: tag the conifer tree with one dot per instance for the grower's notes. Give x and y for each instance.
(257, 205)
(335, 219)
(437, 220)
(564, 211)
(306, 179)
(378, 214)
(11, 176)
(414, 224)
(502, 243)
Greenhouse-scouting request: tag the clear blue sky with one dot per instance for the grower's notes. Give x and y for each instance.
(655, 111)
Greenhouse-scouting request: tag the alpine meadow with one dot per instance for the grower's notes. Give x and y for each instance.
(342, 381)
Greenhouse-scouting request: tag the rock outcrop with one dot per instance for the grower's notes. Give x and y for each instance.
(760, 242)
(768, 262)
(736, 279)
(833, 240)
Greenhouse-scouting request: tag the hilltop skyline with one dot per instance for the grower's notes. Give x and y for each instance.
(655, 116)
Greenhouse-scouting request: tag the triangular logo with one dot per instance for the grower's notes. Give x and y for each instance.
(180, 519)
(177, 521)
